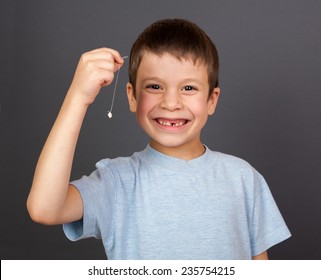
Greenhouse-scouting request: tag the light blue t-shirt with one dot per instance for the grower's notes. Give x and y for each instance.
(152, 206)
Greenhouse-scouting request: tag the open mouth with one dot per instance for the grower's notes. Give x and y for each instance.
(171, 123)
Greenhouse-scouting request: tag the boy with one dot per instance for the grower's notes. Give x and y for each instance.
(176, 199)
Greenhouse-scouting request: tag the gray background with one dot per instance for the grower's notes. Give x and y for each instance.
(268, 113)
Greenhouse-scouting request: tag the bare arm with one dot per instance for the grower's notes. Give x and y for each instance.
(52, 200)
(263, 256)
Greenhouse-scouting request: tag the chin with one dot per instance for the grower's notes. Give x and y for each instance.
(171, 143)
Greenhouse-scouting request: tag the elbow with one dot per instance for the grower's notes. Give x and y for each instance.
(39, 214)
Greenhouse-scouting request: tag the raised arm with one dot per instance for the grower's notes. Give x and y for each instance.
(52, 200)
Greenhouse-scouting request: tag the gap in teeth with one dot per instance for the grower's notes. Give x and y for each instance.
(169, 123)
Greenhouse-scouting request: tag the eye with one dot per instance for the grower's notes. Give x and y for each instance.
(156, 87)
(189, 88)
(153, 88)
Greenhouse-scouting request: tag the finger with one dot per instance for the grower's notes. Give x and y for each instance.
(104, 77)
(105, 65)
(106, 52)
(102, 59)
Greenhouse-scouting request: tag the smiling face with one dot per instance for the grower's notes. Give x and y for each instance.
(172, 103)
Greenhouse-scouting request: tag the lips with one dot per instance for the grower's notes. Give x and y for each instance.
(171, 122)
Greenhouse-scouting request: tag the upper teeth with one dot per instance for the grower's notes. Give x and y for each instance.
(169, 123)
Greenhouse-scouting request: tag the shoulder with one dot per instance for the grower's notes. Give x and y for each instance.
(229, 161)
(120, 164)
(235, 167)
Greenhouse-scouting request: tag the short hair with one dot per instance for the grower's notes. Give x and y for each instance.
(180, 38)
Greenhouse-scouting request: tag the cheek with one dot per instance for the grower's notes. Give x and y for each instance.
(144, 106)
(199, 108)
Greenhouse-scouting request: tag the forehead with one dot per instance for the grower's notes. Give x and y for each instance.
(167, 64)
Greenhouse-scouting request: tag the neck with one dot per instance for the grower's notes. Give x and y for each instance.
(186, 152)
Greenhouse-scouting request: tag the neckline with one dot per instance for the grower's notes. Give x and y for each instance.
(157, 159)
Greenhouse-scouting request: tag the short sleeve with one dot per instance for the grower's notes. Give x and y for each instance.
(98, 194)
(268, 226)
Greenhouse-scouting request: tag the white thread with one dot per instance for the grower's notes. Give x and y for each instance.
(109, 113)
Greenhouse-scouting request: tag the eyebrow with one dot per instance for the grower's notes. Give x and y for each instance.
(157, 79)
(151, 79)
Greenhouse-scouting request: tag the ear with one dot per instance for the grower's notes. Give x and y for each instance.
(131, 98)
(212, 101)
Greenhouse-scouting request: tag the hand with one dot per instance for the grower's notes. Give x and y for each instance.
(95, 70)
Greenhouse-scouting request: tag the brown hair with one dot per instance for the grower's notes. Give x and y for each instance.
(180, 38)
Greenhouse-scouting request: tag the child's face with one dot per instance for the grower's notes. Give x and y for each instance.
(172, 103)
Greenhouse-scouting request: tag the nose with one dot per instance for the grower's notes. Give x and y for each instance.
(171, 101)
